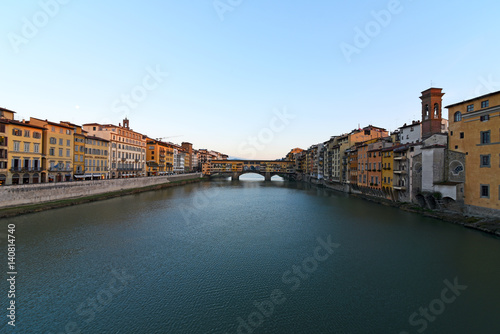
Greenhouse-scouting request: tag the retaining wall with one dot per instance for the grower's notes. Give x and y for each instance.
(47, 192)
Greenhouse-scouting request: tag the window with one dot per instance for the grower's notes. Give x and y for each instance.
(26, 147)
(36, 148)
(470, 108)
(51, 151)
(68, 153)
(17, 132)
(52, 140)
(485, 160)
(53, 129)
(485, 118)
(458, 169)
(68, 132)
(60, 152)
(37, 135)
(60, 141)
(461, 135)
(16, 146)
(485, 137)
(485, 104)
(68, 142)
(436, 110)
(27, 133)
(485, 191)
(457, 117)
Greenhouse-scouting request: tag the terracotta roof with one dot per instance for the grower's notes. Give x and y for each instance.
(5, 109)
(54, 123)
(98, 138)
(23, 124)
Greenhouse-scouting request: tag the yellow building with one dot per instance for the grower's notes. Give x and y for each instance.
(57, 158)
(205, 168)
(474, 130)
(387, 171)
(23, 153)
(96, 158)
(78, 149)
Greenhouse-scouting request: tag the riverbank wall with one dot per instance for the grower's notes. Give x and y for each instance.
(479, 221)
(38, 197)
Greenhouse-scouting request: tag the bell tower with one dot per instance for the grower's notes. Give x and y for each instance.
(432, 99)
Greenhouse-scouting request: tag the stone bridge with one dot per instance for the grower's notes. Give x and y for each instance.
(236, 168)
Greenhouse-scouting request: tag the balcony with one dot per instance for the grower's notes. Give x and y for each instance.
(400, 158)
(56, 169)
(25, 169)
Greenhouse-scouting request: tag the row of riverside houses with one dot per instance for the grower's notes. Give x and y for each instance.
(436, 165)
(40, 151)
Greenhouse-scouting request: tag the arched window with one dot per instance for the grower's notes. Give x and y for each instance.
(426, 111)
(436, 110)
(458, 116)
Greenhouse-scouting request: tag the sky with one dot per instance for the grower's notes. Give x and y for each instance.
(251, 79)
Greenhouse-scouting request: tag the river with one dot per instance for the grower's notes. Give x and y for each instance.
(249, 256)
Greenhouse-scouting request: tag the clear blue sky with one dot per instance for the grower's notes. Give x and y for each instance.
(226, 78)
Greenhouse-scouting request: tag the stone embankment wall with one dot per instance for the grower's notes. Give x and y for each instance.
(47, 192)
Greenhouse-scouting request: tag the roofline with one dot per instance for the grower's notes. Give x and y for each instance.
(95, 137)
(470, 100)
(410, 125)
(5, 109)
(53, 123)
(23, 124)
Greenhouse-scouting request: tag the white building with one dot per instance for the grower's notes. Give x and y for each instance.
(179, 156)
(410, 134)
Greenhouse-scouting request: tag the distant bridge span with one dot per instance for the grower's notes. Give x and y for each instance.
(236, 168)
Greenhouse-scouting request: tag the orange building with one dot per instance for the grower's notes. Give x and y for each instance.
(375, 167)
(159, 158)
